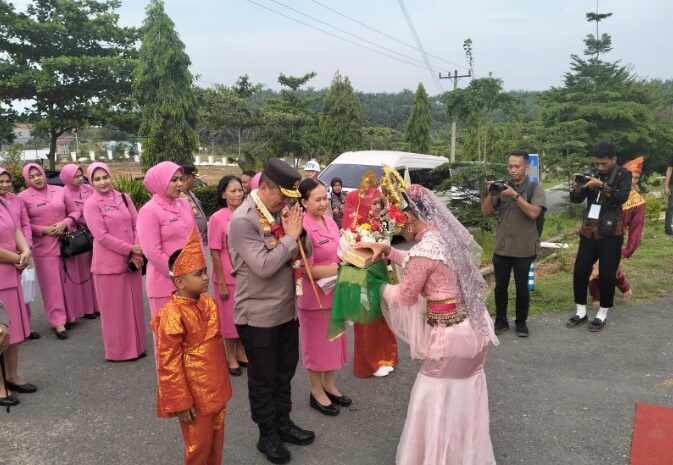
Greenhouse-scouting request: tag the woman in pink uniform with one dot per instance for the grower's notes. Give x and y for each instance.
(51, 212)
(20, 216)
(321, 356)
(439, 309)
(73, 178)
(163, 226)
(14, 257)
(117, 264)
(229, 197)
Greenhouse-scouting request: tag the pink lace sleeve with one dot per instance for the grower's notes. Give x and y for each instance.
(415, 276)
(396, 256)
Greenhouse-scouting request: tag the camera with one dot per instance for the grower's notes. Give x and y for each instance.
(584, 177)
(498, 186)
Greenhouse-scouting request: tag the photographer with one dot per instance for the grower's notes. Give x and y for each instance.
(519, 202)
(601, 234)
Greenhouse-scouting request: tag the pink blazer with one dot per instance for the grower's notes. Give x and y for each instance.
(217, 240)
(325, 244)
(46, 207)
(79, 198)
(113, 226)
(163, 228)
(19, 214)
(8, 273)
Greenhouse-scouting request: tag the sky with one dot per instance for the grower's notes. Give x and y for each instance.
(526, 43)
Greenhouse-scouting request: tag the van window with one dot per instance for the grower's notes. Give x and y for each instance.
(349, 174)
(424, 177)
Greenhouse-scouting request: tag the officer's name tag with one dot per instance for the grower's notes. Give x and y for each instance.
(172, 220)
(594, 211)
(324, 241)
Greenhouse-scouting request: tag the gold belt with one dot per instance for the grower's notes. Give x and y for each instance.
(444, 317)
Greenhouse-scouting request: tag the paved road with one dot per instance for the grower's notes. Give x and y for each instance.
(560, 397)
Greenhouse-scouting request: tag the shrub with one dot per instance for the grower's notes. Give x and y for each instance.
(208, 197)
(134, 188)
(653, 208)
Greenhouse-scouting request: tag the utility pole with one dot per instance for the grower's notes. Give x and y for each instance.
(455, 78)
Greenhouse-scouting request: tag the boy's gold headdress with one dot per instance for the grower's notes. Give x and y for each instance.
(191, 258)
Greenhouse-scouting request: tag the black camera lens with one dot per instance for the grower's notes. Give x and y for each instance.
(497, 187)
(581, 179)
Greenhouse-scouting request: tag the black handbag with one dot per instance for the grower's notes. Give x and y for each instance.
(77, 242)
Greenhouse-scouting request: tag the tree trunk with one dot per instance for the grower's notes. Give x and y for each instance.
(51, 156)
(239, 142)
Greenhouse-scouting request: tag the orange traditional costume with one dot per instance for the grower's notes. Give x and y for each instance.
(191, 363)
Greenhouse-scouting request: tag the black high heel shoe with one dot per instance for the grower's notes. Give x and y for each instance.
(330, 410)
(342, 400)
(61, 334)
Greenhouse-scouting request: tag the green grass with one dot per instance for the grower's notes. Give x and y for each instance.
(649, 271)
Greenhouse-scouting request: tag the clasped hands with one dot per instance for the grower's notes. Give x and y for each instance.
(292, 221)
(55, 229)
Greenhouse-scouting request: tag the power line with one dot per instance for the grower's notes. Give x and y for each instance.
(306, 15)
(335, 35)
(356, 21)
(420, 46)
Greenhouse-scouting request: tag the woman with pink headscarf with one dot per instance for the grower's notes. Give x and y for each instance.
(79, 275)
(116, 267)
(50, 211)
(14, 258)
(163, 226)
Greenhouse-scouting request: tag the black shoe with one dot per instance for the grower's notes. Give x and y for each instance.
(522, 330)
(9, 401)
(90, 316)
(142, 355)
(235, 371)
(289, 432)
(70, 324)
(331, 410)
(242, 364)
(34, 335)
(501, 328)
(596, 325)
(342, 400)
(25, 388)
(61, 334)
(272, 447)
(575, 321)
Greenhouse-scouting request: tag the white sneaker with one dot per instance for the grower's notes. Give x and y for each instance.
(381, 372)
(390, 369)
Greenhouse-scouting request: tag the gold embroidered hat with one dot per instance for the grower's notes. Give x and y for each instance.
(191, 258)
(636, 165)
(284, 175)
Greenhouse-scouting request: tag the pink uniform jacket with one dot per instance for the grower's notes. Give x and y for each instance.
(8, 274)
(18, 212)
(163, 226)
(78, 195)
(217, 240)
(45, 207)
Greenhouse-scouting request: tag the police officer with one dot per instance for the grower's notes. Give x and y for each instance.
(262, 245)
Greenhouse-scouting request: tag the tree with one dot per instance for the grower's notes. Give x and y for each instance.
(477, 105)
(163, 89)
(70, 59)
(600, 100)
(7, 118)
(417, 133)
(290, 117)
(341, 119)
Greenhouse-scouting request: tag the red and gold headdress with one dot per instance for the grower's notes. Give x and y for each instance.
(191, 258)
(635, 165)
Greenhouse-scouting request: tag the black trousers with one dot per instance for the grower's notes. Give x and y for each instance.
(272, 354)
(609, 252)
(502, 269)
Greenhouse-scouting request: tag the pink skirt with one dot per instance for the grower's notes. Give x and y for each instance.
(17, 312)
(122, 314)
(50, 276)
(225, 308)
(72, 288)
(318, 352)
(87, 288)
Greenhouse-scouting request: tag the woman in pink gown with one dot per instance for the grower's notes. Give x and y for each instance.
(229, 197)
(51, 211)
(81, 282)
(163, 226)
(321, 356)
(439, 310)
(14, 257)
(116, 267)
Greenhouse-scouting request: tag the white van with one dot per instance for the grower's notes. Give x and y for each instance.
(351, 166)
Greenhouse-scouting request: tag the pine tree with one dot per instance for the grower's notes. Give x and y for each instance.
(600, 100)
(341, 119)
(163, 89)
(417, 133)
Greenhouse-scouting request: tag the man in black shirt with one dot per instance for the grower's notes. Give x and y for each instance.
(601, 233)
(668, 183)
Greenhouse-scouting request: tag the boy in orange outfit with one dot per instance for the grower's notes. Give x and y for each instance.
(191, 363)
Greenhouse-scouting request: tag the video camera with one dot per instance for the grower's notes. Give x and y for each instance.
(584, 177)
(498, 186)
